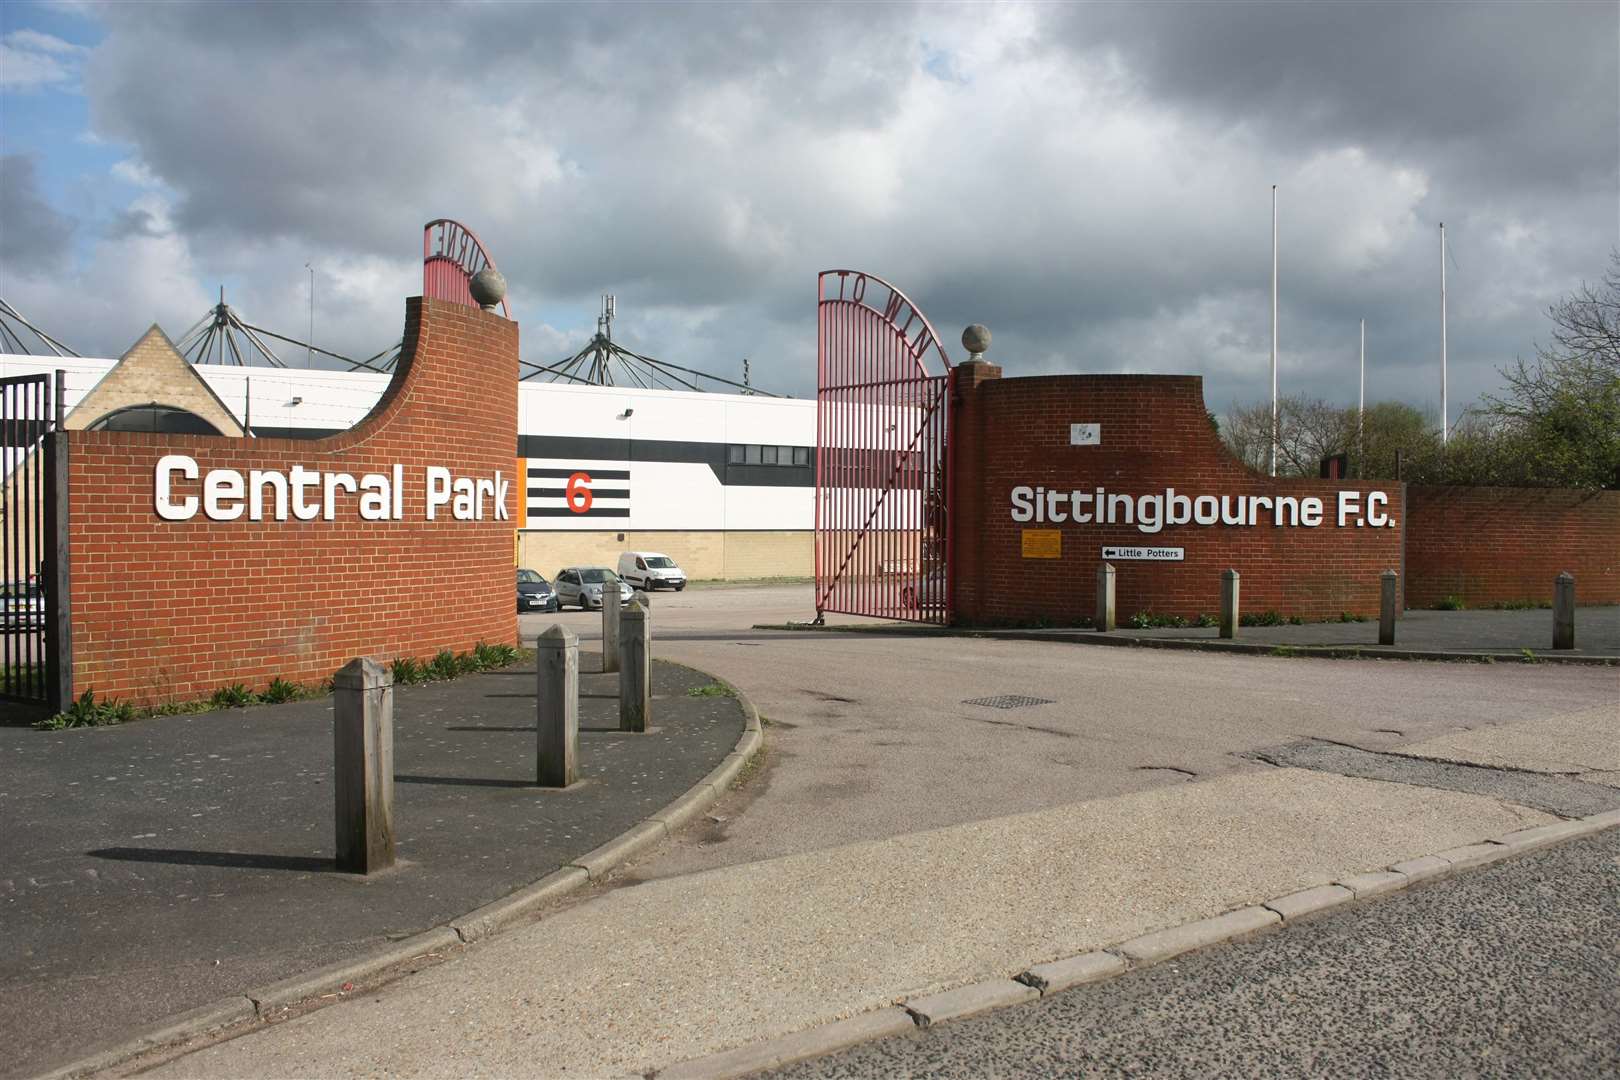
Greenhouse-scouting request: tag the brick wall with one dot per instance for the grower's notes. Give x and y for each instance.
(1155, 434)
(167, 610)
(1506, 545)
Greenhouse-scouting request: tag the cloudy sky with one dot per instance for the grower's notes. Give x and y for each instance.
(1092, 181)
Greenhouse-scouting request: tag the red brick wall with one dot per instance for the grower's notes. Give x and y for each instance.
(1155, 435)
(1506, 545)
(168, 610)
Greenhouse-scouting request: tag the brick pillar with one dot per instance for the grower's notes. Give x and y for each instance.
(967, 506)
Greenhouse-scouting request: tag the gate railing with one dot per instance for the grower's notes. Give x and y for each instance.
(32, 574)
(882, 469)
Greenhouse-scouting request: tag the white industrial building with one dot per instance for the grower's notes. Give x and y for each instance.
(723, 483)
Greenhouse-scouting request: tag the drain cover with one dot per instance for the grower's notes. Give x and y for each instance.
(1009, 701)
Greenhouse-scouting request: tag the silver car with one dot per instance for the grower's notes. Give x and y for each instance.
(582, 586)
(22, 606)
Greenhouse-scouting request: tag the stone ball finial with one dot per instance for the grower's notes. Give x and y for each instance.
(488, 288)
(976, 339)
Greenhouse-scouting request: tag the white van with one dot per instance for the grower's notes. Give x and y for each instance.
(648, 570)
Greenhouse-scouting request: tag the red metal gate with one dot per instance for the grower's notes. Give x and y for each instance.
(882, 471)
(451, 255)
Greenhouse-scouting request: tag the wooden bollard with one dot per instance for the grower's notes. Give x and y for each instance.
(635, 669)
(556, 708)
(1564, 611)
(610, 624)
(363, 765)
(1229, 603)
(1390, 584)
(1105, 597)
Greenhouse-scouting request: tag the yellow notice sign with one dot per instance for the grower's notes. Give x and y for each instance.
(1043, 544)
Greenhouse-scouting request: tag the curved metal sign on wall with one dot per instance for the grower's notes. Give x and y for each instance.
(451, 255)
(882, 471)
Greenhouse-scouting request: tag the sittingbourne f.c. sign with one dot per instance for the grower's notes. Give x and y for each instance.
(1151, 513)
(308, 494)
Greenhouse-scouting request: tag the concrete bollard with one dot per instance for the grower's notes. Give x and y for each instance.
(635, 671)
(1229, 603)
(1564, 611)
(556, 708)
(363, 765)
(1389, 582)
(1105, 597)
(610, 625)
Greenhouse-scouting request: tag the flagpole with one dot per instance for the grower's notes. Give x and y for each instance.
(1273, 329)
(1361, 404)
(1445, 415)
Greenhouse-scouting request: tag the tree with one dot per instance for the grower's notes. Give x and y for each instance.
(1563, 408)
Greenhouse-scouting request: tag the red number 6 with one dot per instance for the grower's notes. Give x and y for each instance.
(578, 493)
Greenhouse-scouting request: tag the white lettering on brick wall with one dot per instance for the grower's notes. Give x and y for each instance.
(1152, 513)
(306, 494)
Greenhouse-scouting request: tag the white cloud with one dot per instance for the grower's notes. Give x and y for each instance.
(30, 60)
(1102, 205)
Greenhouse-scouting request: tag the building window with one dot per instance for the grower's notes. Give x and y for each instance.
(157, 419)
(750, 454)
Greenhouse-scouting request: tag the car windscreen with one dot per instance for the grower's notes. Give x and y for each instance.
(659, 562)
(529, 577)
(595, 575)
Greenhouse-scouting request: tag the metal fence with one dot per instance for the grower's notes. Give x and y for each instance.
(31, 577)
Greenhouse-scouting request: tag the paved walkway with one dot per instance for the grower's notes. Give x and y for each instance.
(1444, 634)
(162, 865)
(668, 970)
(907, 836)
(1507, 971)
(1597, 632)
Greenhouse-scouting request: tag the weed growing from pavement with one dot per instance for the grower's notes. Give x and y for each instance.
(1284, 650)
(88, 711)
(1451, 603)
(750, 768)
(279, 691)
(233, 696)
(1529, 657)
(1151, 620)
(714, 689)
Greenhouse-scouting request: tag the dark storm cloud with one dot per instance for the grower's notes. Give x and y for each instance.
(1528, 90)
(32, 234)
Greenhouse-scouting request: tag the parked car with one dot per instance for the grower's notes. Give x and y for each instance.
(648, 570)
(582, 586)
(22, 606)
(928, 594)
(534, 593)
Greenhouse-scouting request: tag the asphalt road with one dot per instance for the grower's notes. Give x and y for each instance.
(876, 737)
(1509, 971)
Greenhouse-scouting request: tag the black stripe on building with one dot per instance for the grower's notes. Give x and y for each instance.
(564, 447)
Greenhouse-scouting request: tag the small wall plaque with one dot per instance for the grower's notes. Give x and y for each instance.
(1085, 434)
(1043, 543)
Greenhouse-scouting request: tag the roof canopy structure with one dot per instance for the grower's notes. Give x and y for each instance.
(223, 337)
(604, 362)
(16, 332)
(452, 257)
